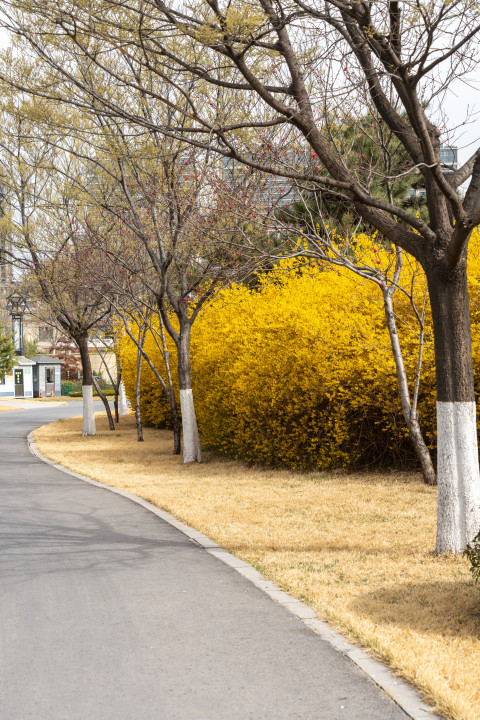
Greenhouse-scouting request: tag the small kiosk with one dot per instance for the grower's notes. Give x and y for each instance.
(47, 376)
(19, 381)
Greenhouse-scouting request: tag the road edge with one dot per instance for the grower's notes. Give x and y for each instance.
(403, 694)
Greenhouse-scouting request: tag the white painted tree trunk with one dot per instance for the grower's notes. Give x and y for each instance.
(88, 411)
(191, 442)
(122, 400)
(457, 476)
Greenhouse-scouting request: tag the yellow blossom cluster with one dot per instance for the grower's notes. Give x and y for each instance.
(298, 370)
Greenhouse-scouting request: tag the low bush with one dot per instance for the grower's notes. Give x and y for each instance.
(75, 389)
(69, 388)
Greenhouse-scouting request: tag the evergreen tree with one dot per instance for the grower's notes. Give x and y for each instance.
(30, 347)
(7, 352)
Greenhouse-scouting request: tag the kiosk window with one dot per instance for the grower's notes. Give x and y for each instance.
(49, 375)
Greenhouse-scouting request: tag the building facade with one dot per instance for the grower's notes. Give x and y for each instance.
(19, 381)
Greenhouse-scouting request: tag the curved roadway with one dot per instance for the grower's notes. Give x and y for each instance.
(109, 613)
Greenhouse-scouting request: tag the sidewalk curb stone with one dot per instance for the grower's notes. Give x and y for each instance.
(397, 689)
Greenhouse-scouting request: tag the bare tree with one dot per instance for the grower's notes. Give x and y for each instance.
(49, 241)
(160, 196)
(139, 315)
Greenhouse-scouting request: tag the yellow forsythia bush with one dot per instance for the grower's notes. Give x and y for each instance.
(299, 371)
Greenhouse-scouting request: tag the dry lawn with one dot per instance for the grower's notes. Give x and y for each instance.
(5, 408)
(31, 401)
(49, 400)
(357, 548)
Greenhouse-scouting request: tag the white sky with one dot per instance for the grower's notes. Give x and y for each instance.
(461, 102)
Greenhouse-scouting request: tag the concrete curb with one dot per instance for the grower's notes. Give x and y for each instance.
(399, 690)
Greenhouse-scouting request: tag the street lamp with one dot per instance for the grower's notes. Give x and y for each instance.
(16, 305)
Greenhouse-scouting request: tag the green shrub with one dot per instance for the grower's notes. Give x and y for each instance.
(75, 389)
(68, 388)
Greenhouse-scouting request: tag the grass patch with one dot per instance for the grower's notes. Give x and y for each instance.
(56, 400)
(5, 408)
(35, 401)
(358, 548)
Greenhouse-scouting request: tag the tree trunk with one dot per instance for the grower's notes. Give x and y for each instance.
(87, 390)
(177, 425)
(138, 416)
(122, 400)
(115, 404)
(177, 429)
(191, 442)
(121, 407)
(410, 415)
(116, 388)
(103, 398)
(168, 389)
(458, 518)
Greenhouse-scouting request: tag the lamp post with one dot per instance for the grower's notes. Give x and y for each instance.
(16, 305)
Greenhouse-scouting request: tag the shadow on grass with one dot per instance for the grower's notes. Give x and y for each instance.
(444, 608)
(324, 549)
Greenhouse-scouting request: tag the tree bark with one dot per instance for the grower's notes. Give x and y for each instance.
(191, 441)
(167, 387)
(138, 386)
(177, 429)
(104, 399)
(115, 402)
(169, 391)
(116, 386)
(410, 415)
(89, 427)
(122, 400)
(176, 424)
(457, 467)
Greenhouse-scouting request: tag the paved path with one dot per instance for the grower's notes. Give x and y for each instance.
(108, 613)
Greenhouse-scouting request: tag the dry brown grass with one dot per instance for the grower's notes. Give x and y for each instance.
(5, 408)
(49, 400)
(358, 548)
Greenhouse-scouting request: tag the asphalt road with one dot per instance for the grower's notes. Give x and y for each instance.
(108, 613)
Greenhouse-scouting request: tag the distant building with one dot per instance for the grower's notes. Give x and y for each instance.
(36, 377)
(47, 376)
(19, 381)
(275, 190)
(449, 160)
